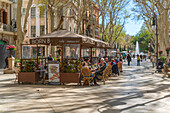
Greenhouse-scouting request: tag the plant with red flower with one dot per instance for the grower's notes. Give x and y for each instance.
(167, 49)
(160, 51)
(59, 50)
(11, 47)
(73, 49)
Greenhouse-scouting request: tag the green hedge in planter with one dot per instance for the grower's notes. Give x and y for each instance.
(163, 59)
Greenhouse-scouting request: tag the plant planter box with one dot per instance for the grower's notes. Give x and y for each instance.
(70, 78)
(32, 77)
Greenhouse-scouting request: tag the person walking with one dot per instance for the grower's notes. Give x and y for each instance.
(128, 59)
(138, 60)
(6, 62)
(141, 57)
(153, 61)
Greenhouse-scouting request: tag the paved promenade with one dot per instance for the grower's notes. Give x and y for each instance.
(136, 90)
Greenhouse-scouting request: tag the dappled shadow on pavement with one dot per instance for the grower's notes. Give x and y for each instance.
(129, 91)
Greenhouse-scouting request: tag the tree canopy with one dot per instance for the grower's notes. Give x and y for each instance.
(144, 38)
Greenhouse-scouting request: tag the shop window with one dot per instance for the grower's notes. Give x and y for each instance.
(71, 51)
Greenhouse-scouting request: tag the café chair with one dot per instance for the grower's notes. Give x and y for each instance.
(107, 72)
(86, 75)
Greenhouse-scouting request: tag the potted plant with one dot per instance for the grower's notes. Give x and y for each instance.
(11, 48)
(160, 52)
(70, 71)
(167, 50)
(59, 50)
(28, 73)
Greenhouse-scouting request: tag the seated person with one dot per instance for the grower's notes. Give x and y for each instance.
(85, 65)
(101, 62)
(99, 72)
(88, 62)
(106, 60)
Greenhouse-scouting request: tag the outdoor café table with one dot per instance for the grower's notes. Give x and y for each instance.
(93, 69)
(42, 73)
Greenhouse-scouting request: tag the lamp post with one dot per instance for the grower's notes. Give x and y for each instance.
(156, 25)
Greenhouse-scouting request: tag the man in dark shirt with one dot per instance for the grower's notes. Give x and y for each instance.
(50, 58)
(129, 59)
(99, 72)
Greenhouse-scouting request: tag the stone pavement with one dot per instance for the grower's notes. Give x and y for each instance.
(136, 90)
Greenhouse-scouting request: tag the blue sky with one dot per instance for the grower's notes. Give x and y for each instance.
(132, 27)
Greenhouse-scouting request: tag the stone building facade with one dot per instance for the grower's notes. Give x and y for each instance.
(7, 23)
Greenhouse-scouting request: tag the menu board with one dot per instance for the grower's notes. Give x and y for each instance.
(54, 76)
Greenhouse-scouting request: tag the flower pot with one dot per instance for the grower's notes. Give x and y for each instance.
(10, 52)
(32, 77)
(70, 78)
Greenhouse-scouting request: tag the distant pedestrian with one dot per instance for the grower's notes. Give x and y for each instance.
(6, 62)
(141, 57)
(120, 65)
(153, 61)
(138, 60)
(128, 59)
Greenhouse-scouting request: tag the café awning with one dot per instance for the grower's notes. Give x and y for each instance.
(66, 37)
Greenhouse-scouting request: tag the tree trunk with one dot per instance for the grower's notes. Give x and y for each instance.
(19, 30)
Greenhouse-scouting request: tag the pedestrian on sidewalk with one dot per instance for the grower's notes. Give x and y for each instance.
(6, 62)
(138, 60)
(120, 65)
(153, 61)
(141, 57)
(128, 59)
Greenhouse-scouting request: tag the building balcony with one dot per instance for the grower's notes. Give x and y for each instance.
(8, 28)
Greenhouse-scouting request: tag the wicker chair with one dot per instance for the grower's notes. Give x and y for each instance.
(107, 72)
(86, 75)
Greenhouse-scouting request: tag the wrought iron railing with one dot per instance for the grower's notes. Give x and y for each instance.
(9, 28)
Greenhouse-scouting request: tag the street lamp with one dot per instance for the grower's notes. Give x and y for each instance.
(156, 25)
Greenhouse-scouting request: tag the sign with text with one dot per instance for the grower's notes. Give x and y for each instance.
(54, 75)
(55, 40)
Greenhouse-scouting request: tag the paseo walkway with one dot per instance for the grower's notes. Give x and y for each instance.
(136, 90)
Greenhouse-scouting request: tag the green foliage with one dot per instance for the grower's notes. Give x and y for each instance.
(144, 38)
(163, 59)
(70, 66)
(17, 63)
(28, 66)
